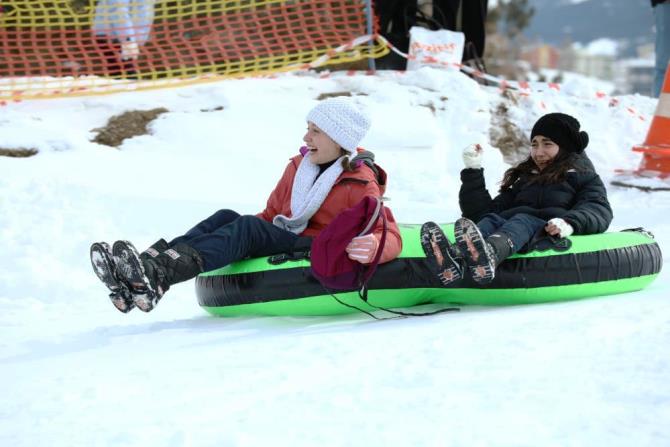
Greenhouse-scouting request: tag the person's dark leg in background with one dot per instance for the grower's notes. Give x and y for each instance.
(473, 23)
(445, 12)
(472, 15)
(396, 17)
(662, 47)
(108, 61)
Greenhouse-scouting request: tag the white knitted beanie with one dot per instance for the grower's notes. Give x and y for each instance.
(341, 120)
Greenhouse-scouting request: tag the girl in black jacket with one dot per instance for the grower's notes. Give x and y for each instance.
(555, 190)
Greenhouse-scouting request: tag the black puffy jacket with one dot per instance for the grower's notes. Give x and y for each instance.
(580, 199)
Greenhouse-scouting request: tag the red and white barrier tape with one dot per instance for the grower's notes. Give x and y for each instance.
(523, 87)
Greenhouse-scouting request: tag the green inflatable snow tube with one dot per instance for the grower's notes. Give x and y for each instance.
(595, 265)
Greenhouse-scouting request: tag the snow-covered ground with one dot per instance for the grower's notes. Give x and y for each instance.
(76, 372)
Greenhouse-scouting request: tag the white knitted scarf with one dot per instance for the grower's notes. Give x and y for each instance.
(308, 195)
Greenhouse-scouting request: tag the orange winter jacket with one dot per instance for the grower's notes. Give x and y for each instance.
(348, 190)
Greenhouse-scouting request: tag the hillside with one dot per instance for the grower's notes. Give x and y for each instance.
(560, 21)
(76, 372)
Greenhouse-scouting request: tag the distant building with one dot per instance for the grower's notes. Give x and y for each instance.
(635, 76)
(645, 51)
(541, 56)
(599, 59)
(596, 59)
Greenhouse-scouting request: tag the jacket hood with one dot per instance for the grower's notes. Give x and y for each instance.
(365, 170)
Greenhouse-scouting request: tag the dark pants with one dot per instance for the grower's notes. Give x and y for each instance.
(108, 58)
(473, 21)
(520, 228)
(226, 237)
(396, 17)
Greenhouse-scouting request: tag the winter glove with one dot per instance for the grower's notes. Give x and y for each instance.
(558, 227)
(363, 248)
(472, 156)
(130, 50)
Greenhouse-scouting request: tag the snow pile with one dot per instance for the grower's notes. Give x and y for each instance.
(77, 372)
(602, 47)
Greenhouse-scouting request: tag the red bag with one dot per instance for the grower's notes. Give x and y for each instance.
(333, 268)
(330, 263)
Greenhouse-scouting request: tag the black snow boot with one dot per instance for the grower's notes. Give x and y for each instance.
(104, 267)
(444, 258)
(502, 246)
(150, 278)
(155, 249)
(479, 255)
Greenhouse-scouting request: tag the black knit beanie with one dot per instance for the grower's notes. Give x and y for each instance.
(563, 130)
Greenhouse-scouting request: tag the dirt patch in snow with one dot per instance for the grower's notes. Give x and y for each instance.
(507, 136)
(17, 152)
(129, 124)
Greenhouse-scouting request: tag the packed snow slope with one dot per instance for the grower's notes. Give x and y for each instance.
(76, 372)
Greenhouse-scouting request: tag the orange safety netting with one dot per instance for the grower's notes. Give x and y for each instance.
(74, 47)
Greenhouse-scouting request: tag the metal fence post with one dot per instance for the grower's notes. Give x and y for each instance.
(370, 29)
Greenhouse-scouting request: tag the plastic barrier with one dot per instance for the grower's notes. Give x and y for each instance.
(82, 47)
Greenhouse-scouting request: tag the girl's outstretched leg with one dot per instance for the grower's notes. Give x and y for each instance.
(150, 278)
(477, 252)
(443, 258)
(104, 267)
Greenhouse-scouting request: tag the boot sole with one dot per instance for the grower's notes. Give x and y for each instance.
(436, 248)
(477, 254)
(129, 266)
(104, 268)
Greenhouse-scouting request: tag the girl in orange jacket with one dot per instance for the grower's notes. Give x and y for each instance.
(316, 186)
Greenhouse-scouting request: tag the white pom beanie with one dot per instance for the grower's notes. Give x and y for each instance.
(341, 120)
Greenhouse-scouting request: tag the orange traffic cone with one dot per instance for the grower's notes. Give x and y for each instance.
(656, 147)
